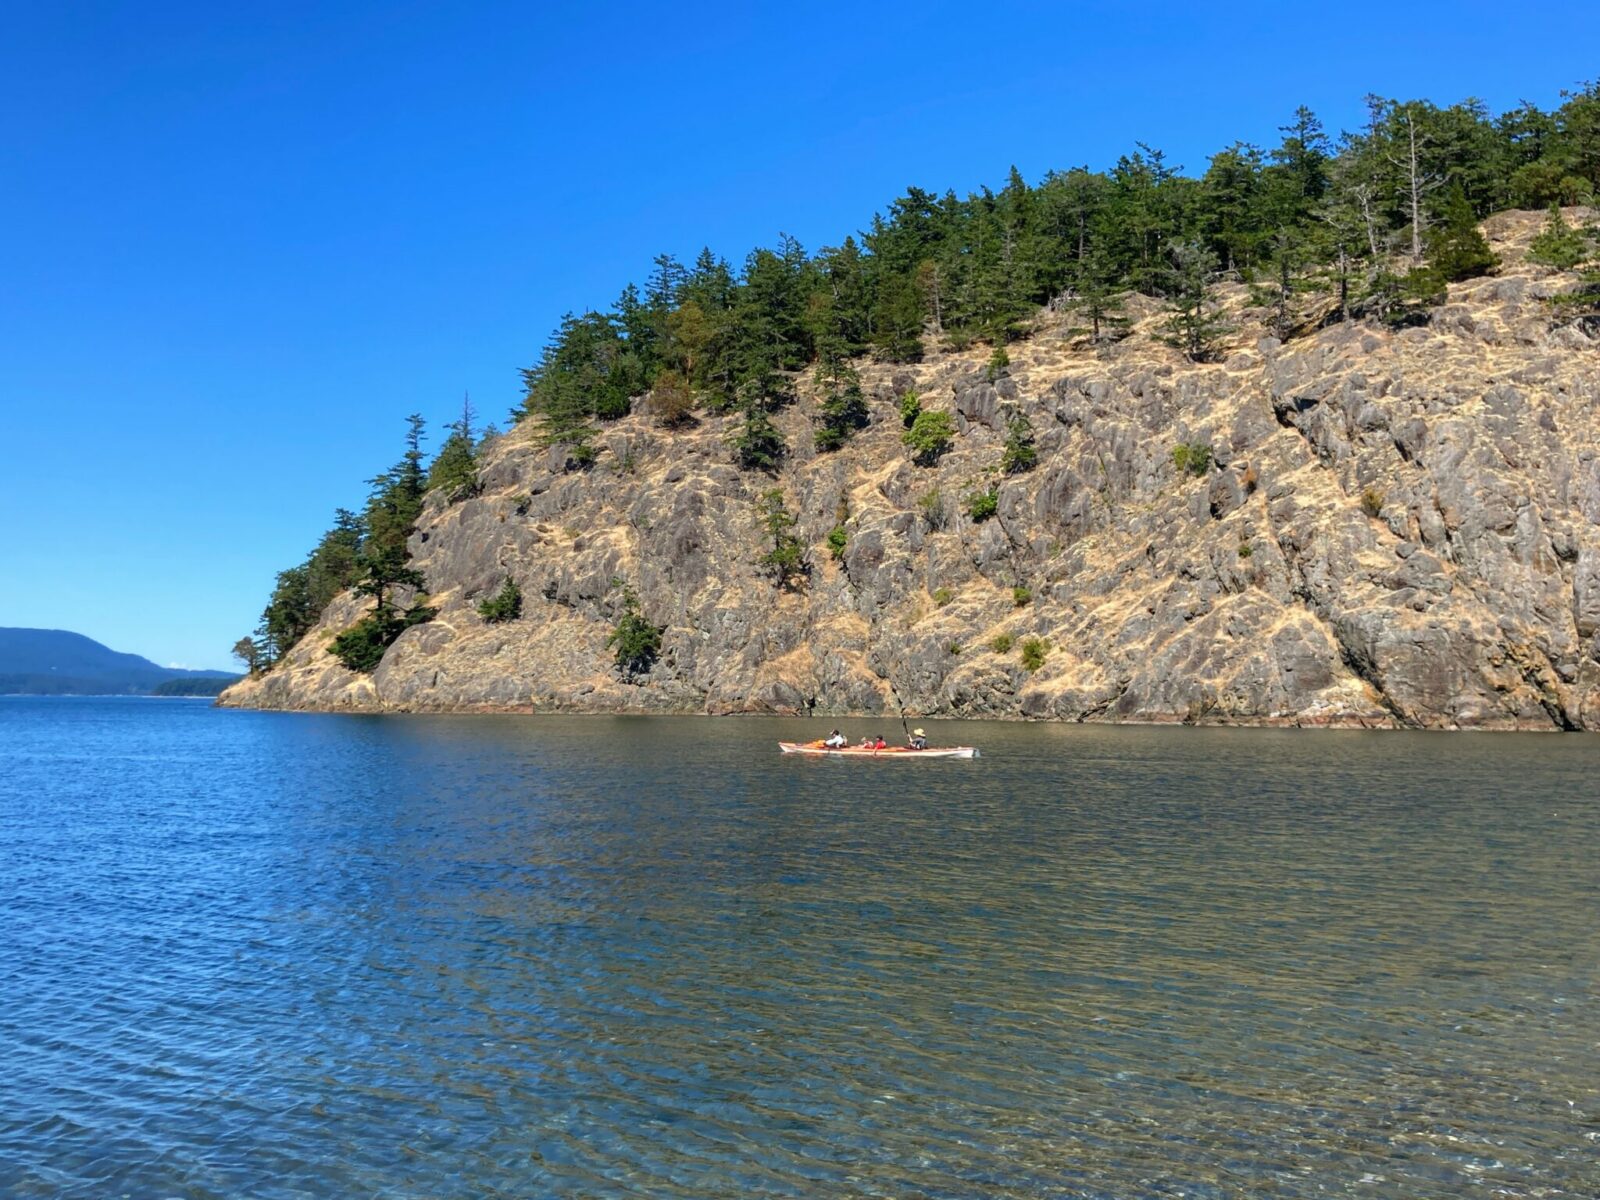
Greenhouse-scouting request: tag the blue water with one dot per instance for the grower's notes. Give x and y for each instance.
(284, 955)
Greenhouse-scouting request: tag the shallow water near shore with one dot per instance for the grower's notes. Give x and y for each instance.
(294, 955)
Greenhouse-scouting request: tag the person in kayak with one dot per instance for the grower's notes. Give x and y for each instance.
(836, 740)
(919, 740)
(880, 744)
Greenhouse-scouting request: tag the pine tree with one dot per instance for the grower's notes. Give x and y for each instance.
(1558, 245)
(1195, 326)
(786, 556)
(1097, 296)
(455, 467)
(248, 653)
(757, 443)
(1021, 454)
(843, 409)
(635, 641)
(1456, 249)
(334, 563)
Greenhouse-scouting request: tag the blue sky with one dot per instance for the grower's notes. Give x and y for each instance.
(239, 243)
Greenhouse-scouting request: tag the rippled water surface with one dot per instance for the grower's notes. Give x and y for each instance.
(278, 955)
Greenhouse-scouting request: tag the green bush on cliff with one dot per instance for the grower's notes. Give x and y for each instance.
(929, 436)
(838, 539)
(1033, 653)
(983, 505)
(1559, 245)
(362, 646)
(504, 605)
(1020, 453)
(1191, 458)
(787, 557)
(635, 641)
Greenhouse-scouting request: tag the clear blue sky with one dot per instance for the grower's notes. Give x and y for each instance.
(238, 243)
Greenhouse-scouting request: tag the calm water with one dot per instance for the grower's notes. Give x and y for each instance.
(275, 955)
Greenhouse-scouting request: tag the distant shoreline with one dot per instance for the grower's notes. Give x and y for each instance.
(1174, 722)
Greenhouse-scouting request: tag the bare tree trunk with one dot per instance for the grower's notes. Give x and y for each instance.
(1363, 195)
(1344, 285)
(1416, 193)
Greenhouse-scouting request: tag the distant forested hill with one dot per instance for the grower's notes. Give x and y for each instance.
(54, 662)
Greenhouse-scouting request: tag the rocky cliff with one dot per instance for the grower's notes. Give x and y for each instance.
(1399, 528)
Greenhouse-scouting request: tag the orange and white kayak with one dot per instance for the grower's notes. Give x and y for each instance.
(817, 748)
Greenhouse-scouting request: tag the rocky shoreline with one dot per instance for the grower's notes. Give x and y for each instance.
(1397, 528)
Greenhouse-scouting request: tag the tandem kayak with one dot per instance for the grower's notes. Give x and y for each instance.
(817, 748)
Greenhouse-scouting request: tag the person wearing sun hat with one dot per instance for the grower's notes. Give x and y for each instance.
(919, 740)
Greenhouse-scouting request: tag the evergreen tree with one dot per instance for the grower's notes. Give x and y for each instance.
(1097, 296)
(1456, 249)
(395, 499)
(249, 654)
(334, 563)
(786, 556)
(455, 467)
(897, 319)
(929, 436)
(1195, 326)
(289, 614)
(843, 409)
(636, 642)
(504, 605)
(1558, 245)
(757, 444)
(1021, 453)
(1232, 198)
(583, 376)
(1301, 162)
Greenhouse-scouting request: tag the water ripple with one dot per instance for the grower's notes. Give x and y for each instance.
(298, 956)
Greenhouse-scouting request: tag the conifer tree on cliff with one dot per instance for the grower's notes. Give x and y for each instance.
(1196, 326)
(1456, 249)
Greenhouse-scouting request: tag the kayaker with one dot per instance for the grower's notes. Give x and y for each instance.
(919, 740)
(835, 740)
(880, 744)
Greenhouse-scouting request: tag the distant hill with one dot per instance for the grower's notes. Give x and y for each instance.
(54, 662)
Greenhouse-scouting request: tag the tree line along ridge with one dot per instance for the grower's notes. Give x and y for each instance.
(1371, 224)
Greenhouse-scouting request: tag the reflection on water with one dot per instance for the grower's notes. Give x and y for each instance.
(283, 955)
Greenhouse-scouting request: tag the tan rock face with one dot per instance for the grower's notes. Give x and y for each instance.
(1399, 528)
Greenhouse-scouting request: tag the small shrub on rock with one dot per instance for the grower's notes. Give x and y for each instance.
(1020, 454)
(983, 505)
(943, 596)
(504, 605)
(930, 436)
(1002, 643)
(1034, 651)
(838, 539)
(1020, 596)
(1192, 458)
(910, 408)
(1372, 501)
